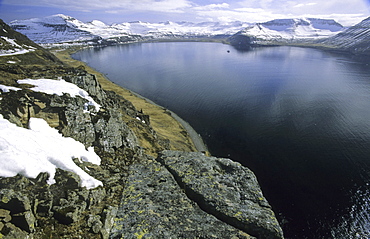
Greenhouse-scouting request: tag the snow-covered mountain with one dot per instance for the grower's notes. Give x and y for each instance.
(60, 28)
(53, 29)
(355, 39)
(17, 48)
(287, 31)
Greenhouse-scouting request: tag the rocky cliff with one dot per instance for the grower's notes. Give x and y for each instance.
(171, 195)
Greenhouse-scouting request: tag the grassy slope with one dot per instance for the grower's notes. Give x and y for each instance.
(164, 124)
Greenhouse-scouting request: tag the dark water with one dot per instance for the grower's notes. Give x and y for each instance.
(298, 117)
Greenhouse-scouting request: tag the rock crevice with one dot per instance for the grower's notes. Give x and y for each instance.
(225, 189)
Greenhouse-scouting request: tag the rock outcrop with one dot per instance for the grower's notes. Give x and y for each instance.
(225, 189)
(154, 206)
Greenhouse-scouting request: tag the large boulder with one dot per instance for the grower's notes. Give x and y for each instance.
(154, 206)
(224, 189)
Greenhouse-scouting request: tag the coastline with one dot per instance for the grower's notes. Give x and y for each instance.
(166, 123)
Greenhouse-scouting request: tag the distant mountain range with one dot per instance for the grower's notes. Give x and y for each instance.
(60, 28)
(310, 31)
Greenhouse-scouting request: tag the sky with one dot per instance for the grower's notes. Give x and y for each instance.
(347, 12)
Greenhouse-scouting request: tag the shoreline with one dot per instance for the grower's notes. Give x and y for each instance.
(195, 137)
(155, 111)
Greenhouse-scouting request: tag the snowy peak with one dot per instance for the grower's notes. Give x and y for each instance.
(52, 29)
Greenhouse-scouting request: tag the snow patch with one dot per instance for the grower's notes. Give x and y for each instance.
(59, 87)
(42, 149)
(5, 88)
(16, 48)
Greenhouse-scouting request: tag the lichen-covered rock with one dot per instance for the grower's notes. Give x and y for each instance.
(108, 216)
(15, 202)
(5, 216)
(224, 189)
(94, 222)
(154, 206)
(10, 231)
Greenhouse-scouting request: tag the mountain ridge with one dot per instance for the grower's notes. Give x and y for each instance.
(285, 31)
(355, 39)
(61, 28)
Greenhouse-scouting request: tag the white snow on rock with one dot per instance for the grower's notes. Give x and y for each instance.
(16, 48)
(59, 87)
(42, 149)
(5, 88)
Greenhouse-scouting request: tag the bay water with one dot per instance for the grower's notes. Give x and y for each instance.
(298, 117)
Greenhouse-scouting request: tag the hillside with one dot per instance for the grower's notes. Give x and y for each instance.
(79, 161)
(17, 48)
(355, 39)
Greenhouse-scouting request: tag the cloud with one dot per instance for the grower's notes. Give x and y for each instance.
(305, 4)
(212, 7)
(108, 5)
(346, 11)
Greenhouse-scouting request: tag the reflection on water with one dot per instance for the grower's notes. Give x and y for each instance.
(356, 223)
(299, 118)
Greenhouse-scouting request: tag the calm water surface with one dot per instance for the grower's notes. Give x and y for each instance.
(298, 117)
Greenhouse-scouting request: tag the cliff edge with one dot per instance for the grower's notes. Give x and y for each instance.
(126, 182)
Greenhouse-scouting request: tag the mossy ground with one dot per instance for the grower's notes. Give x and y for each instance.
(161, 121)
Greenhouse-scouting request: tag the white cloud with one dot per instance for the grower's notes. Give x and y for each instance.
(211, 7)
(347, 11)
(109, 5)
(305, 4)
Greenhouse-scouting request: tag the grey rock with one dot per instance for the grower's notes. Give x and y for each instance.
(89, 83)
(75, 122)
(25, 221)
(96, 196)
(154, 206)
(113, 132)
(11, 232)
(224, 189)
(108, 217)
(15, 202)
(69, 213)
(67, 179)
(94, 223)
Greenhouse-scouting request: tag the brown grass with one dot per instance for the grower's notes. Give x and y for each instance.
(162, 122)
